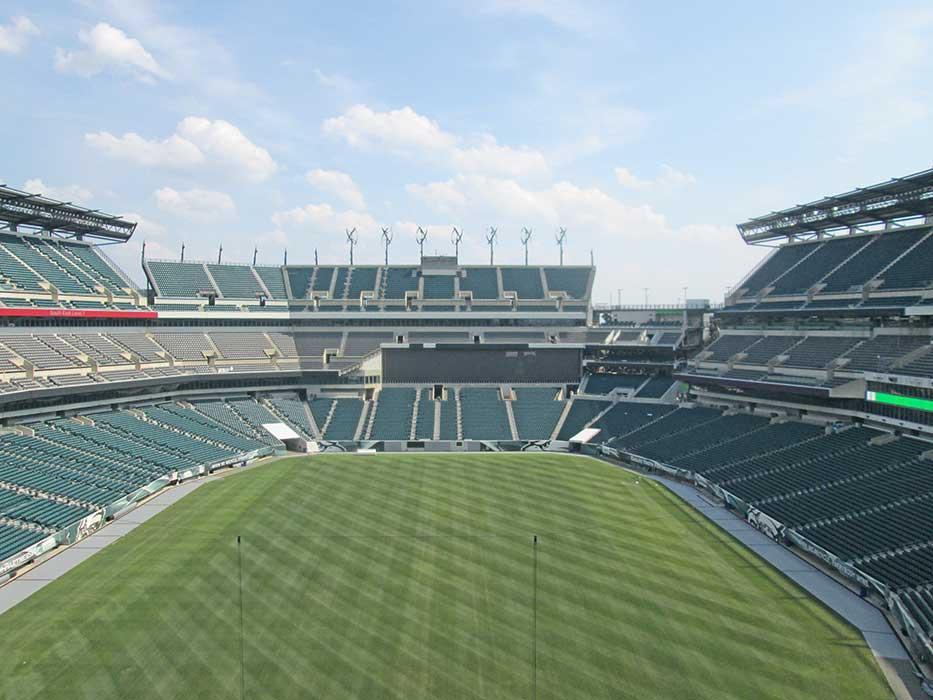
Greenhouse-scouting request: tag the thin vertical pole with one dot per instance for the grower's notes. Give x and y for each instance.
(239, 557)
(534, 623)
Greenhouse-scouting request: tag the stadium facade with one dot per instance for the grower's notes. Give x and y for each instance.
(804, 402)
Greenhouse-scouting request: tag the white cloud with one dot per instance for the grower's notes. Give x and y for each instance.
(566, 14)
(338, 184)
(668, 179)
(15, 35)
(195, 204)
(632, 243)
(407, 133)
(109, 48)
(400, 131)
(173, 152)
(222, 141)
(64, 193)
(324, 220)
(197, 141)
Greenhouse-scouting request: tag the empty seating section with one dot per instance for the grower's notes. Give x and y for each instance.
(30, 251)
(236, 419)
(767, 348)
(311, 346)
(536, 411)
(274, 282)
(603, 384)
(299, 280)
(236, 281)
(911, 567)
(920, 605)
(725, 346)
(141, 345)
(344, 419)
(881, 352)
(582, 412)
(241, 345)
(285, 343)
(184, 346)
(290, 407)
(870, 260)
(777, 264)
(322, 280)
(424, 427)
(574, 281)
(437, 287)
(364, 342)
(362, 280)
(815, 266)
(448, 423)
(703, 434)
(672, 422)
(45, 352)
(483, 282)
(888, 528)
(393, 414)
(484, 414)
(14, 274)
(98, 347)
(438, 337)
(816, 352)
(340, 283)
(913, 271)
(320, 409)
(524, 281)
(95, 264)
(713, 461)
(656, 387)
(178, 279)
(14, 539)
(909, 478)
(398, 280)
(625, 417)
(921, 365)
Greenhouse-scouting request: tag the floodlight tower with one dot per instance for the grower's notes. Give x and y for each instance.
(491, 240)
(352, 239)
(421, 237)
(255, 253)
(560, 238)
(456, 236)
(220, 253)
(142, 255)
(182, 252)
(387, 240)
(526, 236)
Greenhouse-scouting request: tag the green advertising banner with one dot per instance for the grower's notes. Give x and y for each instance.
(898, 400)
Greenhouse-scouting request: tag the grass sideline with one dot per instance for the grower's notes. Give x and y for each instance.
(397, 576)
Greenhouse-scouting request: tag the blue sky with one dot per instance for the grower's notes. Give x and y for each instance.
(647, 130)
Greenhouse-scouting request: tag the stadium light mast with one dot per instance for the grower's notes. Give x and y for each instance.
(220, 253)
(255, 253)
(526, 236)
(315, 257)
(182, 252)
(387, 240)
(560, 238)
(285, 260)
(421, 237)
(352, 239)
(456, 236)
(142, 255)
(491, 240)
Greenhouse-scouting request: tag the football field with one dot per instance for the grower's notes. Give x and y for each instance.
(397, 576)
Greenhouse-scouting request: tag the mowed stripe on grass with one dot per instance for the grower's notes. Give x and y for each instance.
(397, 576)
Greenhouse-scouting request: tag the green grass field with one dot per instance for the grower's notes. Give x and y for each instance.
(412, 577)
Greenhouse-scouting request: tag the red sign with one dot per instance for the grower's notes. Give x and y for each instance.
(74, 313)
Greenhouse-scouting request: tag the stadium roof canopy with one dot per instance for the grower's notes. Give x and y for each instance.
(896, 200)
(37, 213)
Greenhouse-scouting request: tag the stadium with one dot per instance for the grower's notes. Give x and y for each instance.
(461, 480)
